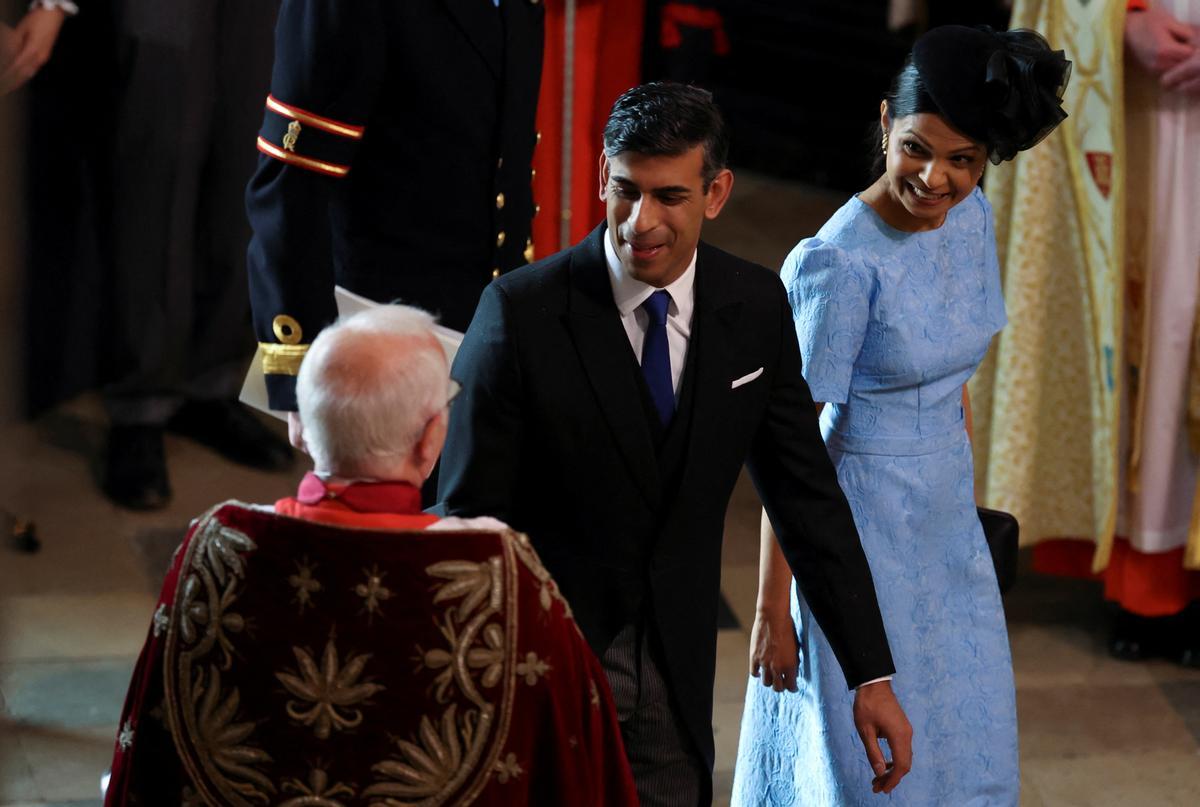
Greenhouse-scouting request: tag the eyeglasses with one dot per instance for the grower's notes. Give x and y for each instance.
(454, 389)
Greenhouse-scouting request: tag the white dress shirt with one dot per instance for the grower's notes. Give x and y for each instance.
(629, 294)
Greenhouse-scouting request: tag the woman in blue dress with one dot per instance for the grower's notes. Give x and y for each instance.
(895, 301)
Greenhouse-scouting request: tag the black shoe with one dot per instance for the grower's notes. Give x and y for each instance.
(1136, 638)
(135, 468)
(1187, 651)
(233, 431)
(1130, 637)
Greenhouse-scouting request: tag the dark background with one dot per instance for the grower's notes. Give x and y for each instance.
(800, 87)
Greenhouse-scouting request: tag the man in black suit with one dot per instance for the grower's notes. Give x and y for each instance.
(395, 161)
(611, 394)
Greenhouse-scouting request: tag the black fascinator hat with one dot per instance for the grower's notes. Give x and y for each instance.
(1003, 88)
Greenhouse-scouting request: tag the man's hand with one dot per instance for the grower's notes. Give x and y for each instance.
(34, 38)
(296, 432)
(1157, 41)
(774, 651)
(877, 715)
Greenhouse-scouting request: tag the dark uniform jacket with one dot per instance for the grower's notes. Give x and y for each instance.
(396, 149)
(550, 433)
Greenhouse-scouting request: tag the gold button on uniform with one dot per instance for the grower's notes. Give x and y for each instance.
(287, 330)
(537, 209)
(528, 250)
(532, 174)
(499, 201)
(496, 272)
(539, 138)
(500, 238)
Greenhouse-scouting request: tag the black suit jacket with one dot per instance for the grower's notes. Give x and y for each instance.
(420, 188)
(551, 435)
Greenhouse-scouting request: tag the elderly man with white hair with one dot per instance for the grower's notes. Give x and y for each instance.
(344, 648)
(373, 394)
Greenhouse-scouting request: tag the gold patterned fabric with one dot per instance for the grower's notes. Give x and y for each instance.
(1047, 399)
(306, 664)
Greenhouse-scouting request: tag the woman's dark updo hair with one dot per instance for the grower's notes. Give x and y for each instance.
(1003, 88)
(907, 96)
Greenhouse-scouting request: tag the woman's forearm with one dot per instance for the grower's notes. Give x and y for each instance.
(774, 576)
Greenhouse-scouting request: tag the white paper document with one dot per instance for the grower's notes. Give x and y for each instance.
(254, 388)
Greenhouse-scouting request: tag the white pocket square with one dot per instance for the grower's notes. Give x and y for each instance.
(746, 379)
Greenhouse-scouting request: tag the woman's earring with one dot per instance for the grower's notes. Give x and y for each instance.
(885, 142)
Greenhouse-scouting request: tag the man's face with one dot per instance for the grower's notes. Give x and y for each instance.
(656, 206)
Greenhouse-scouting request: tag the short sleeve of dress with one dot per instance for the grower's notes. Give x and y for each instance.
(830, 294)
(997, 315)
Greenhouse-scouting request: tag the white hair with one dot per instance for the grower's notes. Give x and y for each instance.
(368, 386)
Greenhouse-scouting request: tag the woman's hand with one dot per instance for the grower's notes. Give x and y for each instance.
(32, 43)
(774, 650)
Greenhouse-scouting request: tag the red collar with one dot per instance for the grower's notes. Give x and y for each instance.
(362, 497)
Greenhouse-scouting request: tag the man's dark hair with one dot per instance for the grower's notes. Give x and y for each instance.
(666, 119)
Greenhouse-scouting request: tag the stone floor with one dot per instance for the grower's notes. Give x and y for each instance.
(1094, 731)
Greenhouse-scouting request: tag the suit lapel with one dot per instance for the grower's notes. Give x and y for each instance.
(714, 329)
(603, 346)
(480, 22)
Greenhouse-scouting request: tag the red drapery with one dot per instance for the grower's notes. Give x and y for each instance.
(605, 61)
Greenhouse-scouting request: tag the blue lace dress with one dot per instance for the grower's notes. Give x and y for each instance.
(891, 325)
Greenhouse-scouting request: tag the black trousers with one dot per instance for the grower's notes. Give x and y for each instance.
(194, 77)
(667, 769)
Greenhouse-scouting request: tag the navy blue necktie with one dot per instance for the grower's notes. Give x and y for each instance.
(656, 356)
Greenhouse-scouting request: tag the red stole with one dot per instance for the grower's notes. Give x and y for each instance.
(371, 505)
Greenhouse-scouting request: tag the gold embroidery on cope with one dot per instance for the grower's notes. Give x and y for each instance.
(529, 557)
(317, 792)
(202, 714)
(508, 769)
(373, 591)
(305, 584)
(533, 668)
(333, 690)
(480, 635)
(160, 620)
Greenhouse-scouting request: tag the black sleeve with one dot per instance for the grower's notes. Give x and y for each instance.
(481, 459)
(329, 62)
(812, 519)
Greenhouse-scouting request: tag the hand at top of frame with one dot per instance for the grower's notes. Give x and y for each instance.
(31, 45)
(1157, 41)
(1185, 76)
(877, 715)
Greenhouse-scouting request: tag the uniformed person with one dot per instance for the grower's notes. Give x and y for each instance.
(192, 73)
(395, 161)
